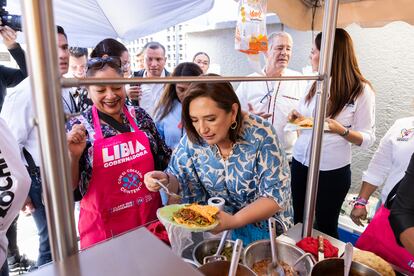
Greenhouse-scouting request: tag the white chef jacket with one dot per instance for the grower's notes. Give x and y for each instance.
(288, 94)
(336, 150)
(18, 112)
(151, 94)
(15, 183)
(389, 163)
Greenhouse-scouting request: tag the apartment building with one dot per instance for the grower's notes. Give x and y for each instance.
(172, 38)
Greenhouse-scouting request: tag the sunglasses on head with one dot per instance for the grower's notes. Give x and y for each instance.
(98, 63)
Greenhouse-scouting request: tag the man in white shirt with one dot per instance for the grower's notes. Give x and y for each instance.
(274, 99)
(77, 99)
(148, 95)
(14, 189)
(18, 113)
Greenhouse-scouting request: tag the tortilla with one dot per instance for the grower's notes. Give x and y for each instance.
(196, 215)
(303, 122)
(374, 261)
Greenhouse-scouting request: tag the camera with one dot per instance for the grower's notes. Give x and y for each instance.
(11, 20)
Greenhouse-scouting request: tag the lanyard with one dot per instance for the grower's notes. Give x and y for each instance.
(269, 94)
(120, 127)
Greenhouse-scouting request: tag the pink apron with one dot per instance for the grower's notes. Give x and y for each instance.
(117, 199)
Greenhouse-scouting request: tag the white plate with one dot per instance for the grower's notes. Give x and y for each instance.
(295, 127)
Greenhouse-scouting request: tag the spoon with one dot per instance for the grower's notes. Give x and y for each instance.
(349, 250)
(274, 266)
(166, 189)
(217, 256)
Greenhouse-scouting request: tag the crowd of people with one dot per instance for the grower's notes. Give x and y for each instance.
(201, 140)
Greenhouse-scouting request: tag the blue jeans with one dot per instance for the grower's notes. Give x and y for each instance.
(39, 216)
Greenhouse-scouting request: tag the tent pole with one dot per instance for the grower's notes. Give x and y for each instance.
(40, 31)
(323, 87)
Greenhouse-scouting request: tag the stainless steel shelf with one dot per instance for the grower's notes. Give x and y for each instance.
(137, 252)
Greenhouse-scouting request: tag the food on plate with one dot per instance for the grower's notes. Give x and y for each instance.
(303, 122)
(260, 268)
(374, 261)
(195, 215)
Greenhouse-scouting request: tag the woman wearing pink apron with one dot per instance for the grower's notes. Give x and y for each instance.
(110, 154)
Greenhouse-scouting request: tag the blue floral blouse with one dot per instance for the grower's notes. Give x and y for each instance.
(160, 151)
(256, 167)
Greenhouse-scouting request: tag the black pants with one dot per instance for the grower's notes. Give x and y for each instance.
(4, 271)
(332, 189)
(11, 234)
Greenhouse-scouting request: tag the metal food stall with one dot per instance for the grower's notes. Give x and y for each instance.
(40, 36)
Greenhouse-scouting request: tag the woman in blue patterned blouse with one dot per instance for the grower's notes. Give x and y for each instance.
(232, 155)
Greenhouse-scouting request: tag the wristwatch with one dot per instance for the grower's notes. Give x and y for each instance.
(345, 133)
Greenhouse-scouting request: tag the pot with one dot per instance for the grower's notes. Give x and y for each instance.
(221, 268)
(260, 250)
(190, 262)
(335, 267)
(209, 247)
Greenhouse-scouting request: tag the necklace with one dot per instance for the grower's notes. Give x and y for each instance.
(225, 156)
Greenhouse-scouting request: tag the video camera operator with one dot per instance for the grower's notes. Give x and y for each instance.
(10, 77)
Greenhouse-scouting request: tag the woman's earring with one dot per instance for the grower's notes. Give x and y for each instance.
(233, 125)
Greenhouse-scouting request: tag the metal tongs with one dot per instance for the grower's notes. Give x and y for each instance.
(274, 265)
(217, 256)
(321, 249)
(166, 189)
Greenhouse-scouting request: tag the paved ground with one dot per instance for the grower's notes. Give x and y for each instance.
(27, 238)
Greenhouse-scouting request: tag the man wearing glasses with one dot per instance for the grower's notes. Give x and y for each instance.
(273, 100)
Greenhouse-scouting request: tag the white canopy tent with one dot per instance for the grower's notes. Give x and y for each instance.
(89, 21)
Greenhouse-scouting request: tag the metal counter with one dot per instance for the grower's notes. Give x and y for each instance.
(135, 253)
(294, 235)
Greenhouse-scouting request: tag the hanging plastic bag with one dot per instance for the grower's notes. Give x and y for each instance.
(180, 238)
(251, 35)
